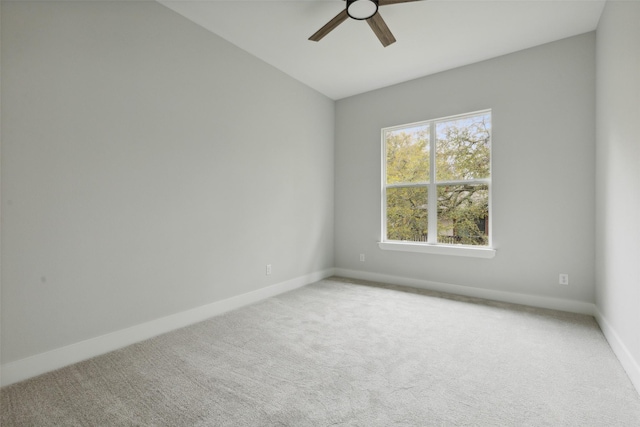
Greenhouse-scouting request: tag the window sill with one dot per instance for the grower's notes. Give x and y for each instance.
(426, 248)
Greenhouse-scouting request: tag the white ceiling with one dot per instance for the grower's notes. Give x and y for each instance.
(432, 35)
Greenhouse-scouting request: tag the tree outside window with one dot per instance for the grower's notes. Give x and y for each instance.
(449, 202)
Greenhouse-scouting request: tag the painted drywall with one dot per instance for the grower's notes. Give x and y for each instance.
(148, 167)
(618, 180)
(0, 192)
(543, 106)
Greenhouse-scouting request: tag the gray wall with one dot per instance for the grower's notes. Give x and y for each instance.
(618, 177)
(543, 102)
(148, 167)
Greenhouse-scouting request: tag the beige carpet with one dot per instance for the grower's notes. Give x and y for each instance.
(338, 353)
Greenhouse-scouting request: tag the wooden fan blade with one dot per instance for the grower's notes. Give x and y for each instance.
(388, 2)
(379, 27)
(329, 26)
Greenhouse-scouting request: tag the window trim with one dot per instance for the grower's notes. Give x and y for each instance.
(432, 246)
(438, 249)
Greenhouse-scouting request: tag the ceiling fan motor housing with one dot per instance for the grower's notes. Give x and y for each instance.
(362, 9)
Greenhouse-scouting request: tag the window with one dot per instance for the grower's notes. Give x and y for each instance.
(436, 183)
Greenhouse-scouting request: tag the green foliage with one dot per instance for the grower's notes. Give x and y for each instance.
(463, 150)
(407, 213)
(408, 156)
(462, 153)
(461, 211)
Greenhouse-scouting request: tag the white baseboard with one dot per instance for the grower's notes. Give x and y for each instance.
(511, 297)
(51, 360)
(630, 365)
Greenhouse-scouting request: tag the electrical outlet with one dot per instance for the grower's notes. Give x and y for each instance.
(268, 269)
(362, 257)
(563, 279)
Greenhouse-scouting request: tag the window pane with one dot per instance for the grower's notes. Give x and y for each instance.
(463, 148)
(463, 214)
(407, 214)
(407, 155)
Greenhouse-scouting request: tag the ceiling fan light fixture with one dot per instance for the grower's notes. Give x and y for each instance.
(362, 9)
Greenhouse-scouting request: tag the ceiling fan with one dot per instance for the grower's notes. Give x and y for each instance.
(362, 10)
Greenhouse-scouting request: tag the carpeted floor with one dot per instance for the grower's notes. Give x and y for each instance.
(345, 353)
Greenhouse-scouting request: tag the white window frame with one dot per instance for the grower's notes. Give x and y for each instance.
(432, 246)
